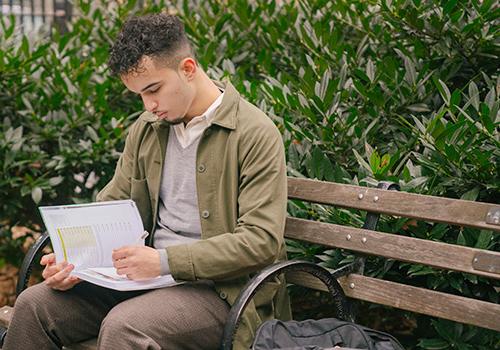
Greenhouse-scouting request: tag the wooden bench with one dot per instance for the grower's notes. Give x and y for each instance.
(366, 241)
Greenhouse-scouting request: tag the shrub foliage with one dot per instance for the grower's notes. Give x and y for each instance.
(362, 91)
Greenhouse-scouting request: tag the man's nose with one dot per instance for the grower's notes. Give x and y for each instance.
(150, 104)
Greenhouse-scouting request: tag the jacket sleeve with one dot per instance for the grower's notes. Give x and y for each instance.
(257, 239)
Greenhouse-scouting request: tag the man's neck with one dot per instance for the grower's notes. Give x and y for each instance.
(206, 93)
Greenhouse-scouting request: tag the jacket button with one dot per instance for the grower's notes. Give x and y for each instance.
(223, 295)
(205, 214)
(201, 168)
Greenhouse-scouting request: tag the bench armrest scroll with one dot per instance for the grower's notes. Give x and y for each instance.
(341, 304)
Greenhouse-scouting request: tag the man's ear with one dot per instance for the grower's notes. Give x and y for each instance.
(188, 67)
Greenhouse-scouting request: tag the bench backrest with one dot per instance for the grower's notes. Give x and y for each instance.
(408, 249)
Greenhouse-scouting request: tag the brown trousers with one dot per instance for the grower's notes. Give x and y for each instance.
(187, 316)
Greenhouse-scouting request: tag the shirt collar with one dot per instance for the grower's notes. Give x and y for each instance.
(209, 114)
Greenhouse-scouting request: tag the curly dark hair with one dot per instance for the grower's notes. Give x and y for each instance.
(158, 36)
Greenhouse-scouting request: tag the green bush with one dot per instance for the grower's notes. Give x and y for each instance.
(362, 91)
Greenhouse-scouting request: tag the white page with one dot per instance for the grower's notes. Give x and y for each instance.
(107, 277)
(85, 234)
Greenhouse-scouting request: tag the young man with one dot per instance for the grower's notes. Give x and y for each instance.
(207, 171)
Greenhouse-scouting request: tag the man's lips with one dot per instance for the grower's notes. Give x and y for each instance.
(161, 115)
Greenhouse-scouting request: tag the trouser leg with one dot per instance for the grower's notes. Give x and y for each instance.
(188, 316)
(44, 318)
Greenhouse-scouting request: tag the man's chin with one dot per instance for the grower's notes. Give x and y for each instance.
(175, 120)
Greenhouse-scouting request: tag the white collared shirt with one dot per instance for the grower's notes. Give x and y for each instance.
(187, 134)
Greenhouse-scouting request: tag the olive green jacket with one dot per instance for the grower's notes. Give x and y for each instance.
(242, 194)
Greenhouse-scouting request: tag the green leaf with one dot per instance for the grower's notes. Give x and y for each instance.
(471, 195)
(36, 194)
(434, 344)
(370, 70)
(490, 98)
(374, 161)
(54, 181)
(461, 239)
(92, 133)
(444, 328)
(25, 46)
(444, 91)
(484, 239)
(474, 95)
(362, 162)
(411, 73)
(449, 6)
(318, 164)
(455, 283)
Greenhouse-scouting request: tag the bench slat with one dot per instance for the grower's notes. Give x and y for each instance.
(410, 205)
(418, 300)
(409, 249)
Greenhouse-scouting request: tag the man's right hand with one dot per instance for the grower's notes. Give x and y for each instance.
(57, 275)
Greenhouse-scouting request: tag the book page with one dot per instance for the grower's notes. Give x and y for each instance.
(107, 277)
(86, 234)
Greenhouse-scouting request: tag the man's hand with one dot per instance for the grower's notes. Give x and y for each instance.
(137, 262)
(57, 275)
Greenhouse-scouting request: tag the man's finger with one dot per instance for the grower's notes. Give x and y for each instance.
(48, 259)
(122, 271)
(57, 278)
(120, 253)
(67, 283)
(51, 270)
(119, 264)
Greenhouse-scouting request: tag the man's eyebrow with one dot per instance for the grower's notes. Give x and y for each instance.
(150, 85)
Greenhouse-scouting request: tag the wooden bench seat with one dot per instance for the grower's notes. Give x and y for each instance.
(366, 241)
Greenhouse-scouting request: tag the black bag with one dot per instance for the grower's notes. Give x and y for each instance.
(320, 334)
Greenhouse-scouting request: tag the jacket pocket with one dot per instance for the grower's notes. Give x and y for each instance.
(139, 193)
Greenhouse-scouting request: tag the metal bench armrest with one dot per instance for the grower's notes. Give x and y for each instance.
(341, 303)
(29, 259)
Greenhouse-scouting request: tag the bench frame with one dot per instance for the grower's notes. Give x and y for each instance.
(366, 241)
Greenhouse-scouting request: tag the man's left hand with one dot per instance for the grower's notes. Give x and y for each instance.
(137, 262)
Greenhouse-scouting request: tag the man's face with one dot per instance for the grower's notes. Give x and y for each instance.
(166, 92)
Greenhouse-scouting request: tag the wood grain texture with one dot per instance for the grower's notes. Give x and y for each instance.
(410, 205)
(487, 261)
(402, 248)
(418, 300)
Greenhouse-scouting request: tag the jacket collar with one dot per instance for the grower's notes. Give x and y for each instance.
(225, 115)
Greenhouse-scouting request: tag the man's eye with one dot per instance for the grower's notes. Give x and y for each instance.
(153, 91)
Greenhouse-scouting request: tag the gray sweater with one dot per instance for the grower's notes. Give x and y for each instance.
(178, 216)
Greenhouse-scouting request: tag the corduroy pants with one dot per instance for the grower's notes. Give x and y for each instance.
(187, 316)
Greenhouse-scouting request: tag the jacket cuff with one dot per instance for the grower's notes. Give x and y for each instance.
(180, 262)
(164, 266)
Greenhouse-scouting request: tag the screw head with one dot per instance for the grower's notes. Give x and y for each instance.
(348, 237)
(363, 239)
(351, 285)
(360, 196)
(375, 199)
(496, 220)
(475, 260)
